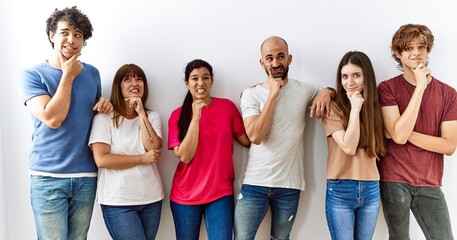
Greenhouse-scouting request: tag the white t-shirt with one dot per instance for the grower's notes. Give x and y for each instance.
(278, 160)
(133, 186)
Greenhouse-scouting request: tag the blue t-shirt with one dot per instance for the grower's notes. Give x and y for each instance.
(65, 149)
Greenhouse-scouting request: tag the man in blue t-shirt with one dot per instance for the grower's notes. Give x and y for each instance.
(62, 94)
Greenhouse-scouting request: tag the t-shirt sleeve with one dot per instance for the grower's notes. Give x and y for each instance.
(154, 119)
(311, 90)
(451, 108)
(101, 129)
(173, 130)
(333, 122)
(32, 85)
(386, 95)
(237, 123)
(99, 85)
(250, 106)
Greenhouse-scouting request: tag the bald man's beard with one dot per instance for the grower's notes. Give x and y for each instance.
(282, 74)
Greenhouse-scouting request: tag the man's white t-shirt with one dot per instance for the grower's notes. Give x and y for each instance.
(278, 160)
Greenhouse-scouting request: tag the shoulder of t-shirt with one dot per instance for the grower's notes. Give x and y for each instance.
(306, 85)
(391, 80)
(443, 84)
(334, 110)
(90, 67)
(152, 113)
(37, 68)
(250, 90)
(252, 87)
(224, 101)
(175, 113)
(105, 116)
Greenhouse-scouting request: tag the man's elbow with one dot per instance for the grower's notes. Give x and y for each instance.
(99, 162)
(450, 150)
(255, 138)
(53, 123)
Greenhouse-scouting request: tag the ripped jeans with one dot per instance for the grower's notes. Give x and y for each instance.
(252, 205)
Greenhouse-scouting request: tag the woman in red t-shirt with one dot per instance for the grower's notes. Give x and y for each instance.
(201, 135)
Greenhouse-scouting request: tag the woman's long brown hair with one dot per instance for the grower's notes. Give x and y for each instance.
(371, 123)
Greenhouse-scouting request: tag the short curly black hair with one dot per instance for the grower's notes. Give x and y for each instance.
(74, 17)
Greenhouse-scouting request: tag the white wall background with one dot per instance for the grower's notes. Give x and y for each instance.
(3, 112)
(162, 36)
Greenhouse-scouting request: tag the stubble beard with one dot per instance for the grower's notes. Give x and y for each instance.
(284, 74)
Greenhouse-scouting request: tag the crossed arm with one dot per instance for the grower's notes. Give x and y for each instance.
(258, 126)
(400, 129)
(151, 142)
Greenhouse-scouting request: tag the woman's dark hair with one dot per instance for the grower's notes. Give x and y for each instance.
(74, 17)
(117, 99)
(186, 111)
(371, 123)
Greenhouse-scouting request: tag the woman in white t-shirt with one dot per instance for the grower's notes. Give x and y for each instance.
(126, 146)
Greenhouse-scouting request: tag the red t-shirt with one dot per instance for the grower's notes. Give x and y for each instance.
(408, 163)
(210, 175)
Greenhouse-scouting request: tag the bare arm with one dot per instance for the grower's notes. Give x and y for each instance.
(400, 127)
(257, 127)
(53, 111)
(186, 151)
(105, 159)
(445, 144)
(103, 105)
(321, 103)
(244, 140)
(149, 136)
(348, 139)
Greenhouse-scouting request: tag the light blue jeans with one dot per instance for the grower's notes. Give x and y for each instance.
(352, 208)
(218, 219)
(252, 205)
(62, 207)
(427, 204)
(136, 222)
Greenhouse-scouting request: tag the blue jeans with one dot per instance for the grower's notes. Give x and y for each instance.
(352, 208)
(427, 204)
(252, 205)
(62, 207)
(218, 219)
(136, 222)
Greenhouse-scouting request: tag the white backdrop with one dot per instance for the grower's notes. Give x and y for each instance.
(162, 36)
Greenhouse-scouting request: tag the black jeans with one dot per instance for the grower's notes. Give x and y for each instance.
(427, 204)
